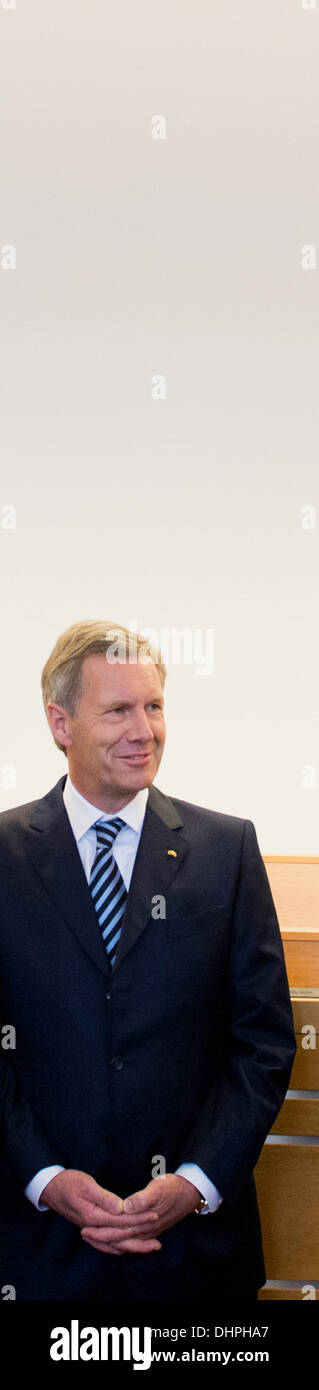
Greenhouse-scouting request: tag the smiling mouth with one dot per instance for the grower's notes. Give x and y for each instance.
(135, 757)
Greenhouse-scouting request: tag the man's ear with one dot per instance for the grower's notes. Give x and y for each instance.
(60, 723)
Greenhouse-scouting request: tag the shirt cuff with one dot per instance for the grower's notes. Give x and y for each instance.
(204, 1184)
(37, 1184)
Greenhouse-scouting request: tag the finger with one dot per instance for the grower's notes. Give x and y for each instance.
(107, 1201)
(141, 1201)
(93, 1216)
(109, 1233)
(133, 1246)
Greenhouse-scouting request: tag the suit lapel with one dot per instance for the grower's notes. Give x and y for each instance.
(52, 847)
(154, 868)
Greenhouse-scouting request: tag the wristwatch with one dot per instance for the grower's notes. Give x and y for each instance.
(202, 1206)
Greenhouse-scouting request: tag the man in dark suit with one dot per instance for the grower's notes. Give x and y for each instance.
(142, 969)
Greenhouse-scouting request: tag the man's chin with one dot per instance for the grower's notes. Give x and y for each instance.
(136, 774)
(145, 770)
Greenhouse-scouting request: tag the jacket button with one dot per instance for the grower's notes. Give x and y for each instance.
(117, 1063)
(107, 996)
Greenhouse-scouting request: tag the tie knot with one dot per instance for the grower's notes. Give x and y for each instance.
(107, 829)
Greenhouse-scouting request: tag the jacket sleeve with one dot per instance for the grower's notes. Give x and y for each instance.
(24, 1146)
(245, 1098)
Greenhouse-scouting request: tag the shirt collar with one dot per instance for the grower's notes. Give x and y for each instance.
(82, 813)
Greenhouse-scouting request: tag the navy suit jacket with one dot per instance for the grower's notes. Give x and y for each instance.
(184, 1050)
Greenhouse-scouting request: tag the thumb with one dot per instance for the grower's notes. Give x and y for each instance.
(139, 1201)
(109, 1201)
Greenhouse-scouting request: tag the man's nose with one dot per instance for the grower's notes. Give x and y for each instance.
(140, 727)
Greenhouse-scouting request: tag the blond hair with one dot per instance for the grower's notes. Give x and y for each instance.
(61, 678)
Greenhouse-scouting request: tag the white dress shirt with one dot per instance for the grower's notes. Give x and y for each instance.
(82, 815)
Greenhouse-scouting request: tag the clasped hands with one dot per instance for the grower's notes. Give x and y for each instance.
(117, 1225)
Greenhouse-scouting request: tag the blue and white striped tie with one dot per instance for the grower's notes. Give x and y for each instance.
(106, 884)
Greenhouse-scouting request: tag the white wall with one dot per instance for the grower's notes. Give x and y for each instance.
(179, 256)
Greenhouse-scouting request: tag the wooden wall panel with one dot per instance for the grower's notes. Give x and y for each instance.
(294, 882)
(287, 1175)
(305, 1069)
(298, 1116)
(287, 1184)
(284, 1295)
(301, 952)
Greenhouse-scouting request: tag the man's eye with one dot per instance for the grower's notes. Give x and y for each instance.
(118, 709)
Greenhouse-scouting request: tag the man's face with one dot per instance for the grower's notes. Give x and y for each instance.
(116, 739)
